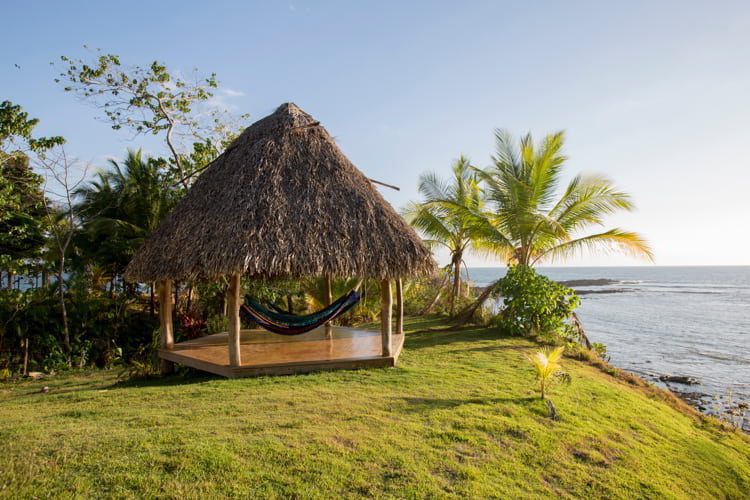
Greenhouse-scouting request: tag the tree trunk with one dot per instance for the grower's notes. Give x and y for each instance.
(63, 309)
(25, 345)
(289, 304)
(177, 297)
(465, 315)
(10, 280)
(151, 304)
(437, 296)
(189, 298)
(456, 282)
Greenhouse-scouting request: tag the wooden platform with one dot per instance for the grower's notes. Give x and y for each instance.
(264, 353)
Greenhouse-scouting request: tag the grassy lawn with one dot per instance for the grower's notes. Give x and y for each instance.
(456, 418)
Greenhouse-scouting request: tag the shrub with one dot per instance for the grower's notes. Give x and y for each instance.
(103, 329)
(535, 305)
(600, 350)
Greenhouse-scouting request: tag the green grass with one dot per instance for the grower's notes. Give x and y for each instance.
(456, 418)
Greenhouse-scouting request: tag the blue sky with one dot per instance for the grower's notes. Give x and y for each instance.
(655, 95)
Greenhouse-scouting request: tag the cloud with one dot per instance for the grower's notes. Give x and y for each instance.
(219, 102)
(222, 99)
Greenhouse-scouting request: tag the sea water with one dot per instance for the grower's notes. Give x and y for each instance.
(657, 321)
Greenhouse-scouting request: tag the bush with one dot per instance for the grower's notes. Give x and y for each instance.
(535, 305)
(103, 329)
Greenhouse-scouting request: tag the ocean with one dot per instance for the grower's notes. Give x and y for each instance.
(662, 321)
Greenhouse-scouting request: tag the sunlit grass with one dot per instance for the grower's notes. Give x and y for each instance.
(458, 417)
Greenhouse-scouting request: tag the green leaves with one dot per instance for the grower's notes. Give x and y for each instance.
(21, 198)
(16, 132)
(546, 365)
(527, 220)
(445, 214)
(121, 207)
(151, 99)
(534, 305)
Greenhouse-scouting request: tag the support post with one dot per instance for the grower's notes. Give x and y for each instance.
(166, 333)
(327, 297)
(399, 306)
(386, 303)
(233, 310)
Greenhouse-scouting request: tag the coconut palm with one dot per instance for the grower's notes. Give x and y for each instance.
(529, 220)
(443, 214)
(121, 207)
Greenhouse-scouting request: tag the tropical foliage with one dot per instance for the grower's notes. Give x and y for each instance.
(529, 221)
(534, 305)
(85, 232)
(120, 208)
(546, 365)
(442, 215)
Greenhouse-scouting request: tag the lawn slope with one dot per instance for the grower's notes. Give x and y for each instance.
(456, 418)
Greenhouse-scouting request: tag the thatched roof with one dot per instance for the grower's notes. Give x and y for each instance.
(281, 201)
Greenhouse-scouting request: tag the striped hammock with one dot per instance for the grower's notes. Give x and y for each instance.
(291, 324)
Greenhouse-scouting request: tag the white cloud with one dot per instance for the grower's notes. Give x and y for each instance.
(233, 93)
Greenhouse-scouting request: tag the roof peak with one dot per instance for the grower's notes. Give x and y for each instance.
(281, 201)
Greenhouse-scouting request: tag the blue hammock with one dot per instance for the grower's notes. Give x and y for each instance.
(291, 324)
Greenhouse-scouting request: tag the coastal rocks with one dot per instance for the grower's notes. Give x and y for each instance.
(606, 290)
(588, 282)
(679, 379)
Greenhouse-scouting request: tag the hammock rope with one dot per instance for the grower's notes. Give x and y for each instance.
(291, 324)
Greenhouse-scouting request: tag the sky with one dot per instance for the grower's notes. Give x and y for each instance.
(654, 95)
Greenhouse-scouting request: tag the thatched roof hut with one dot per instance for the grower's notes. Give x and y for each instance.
(281, 201)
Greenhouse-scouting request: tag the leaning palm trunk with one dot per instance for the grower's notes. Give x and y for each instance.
(468, 312)
(439, 294)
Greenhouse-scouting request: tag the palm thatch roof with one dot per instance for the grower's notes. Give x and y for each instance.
(281, 201)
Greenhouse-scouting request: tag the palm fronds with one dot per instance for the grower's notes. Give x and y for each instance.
(546, 365)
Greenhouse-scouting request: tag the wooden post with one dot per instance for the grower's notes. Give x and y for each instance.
(233, 310)
(25, 345)
(399, 306)
(386, 303)
(327, 297)
(166, 333)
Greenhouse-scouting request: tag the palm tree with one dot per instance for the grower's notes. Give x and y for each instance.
(443, 214)
(529, 221)
(120, 208)
(127, 201)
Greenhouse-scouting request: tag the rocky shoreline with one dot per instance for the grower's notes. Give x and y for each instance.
(724, 407)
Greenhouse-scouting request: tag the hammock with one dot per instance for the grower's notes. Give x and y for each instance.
(291, 324)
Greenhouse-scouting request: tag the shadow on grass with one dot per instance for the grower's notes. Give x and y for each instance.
(417, 405)
(488, 348)
(429, 338)
(187, 377)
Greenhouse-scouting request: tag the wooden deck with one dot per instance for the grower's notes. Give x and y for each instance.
(264, 353)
